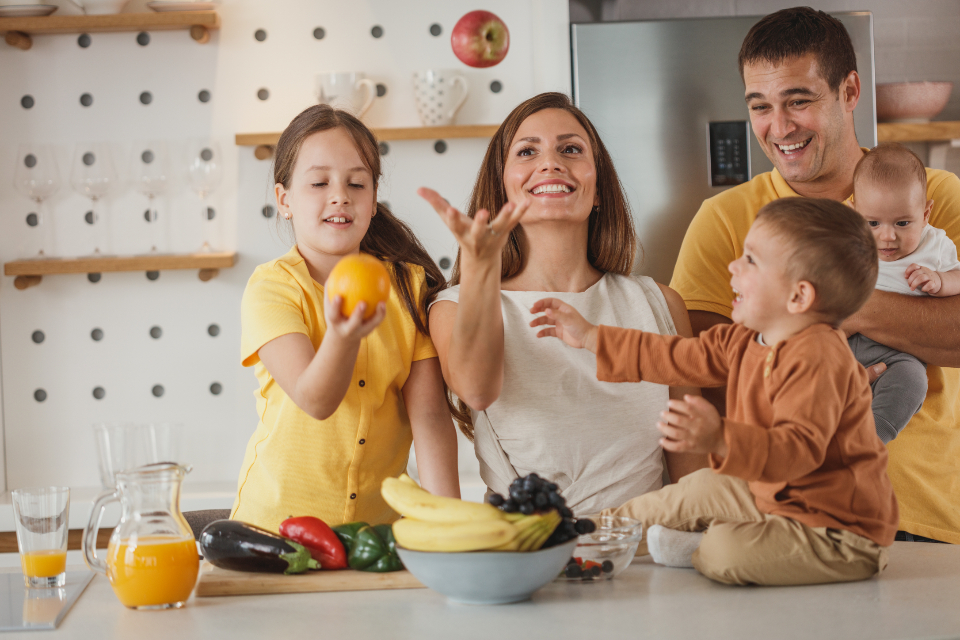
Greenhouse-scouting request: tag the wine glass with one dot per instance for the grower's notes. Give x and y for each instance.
(92, 176)
(204, 169)
(37, 177)
(150, 172)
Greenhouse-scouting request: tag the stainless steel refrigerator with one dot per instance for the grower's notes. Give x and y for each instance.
(667, 98)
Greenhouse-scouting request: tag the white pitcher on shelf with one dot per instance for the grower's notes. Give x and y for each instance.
(100, 7)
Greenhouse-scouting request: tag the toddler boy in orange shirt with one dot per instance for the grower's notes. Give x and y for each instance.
(797, 490)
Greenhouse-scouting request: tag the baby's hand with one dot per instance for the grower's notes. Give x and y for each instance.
(567, 324)
(925, 279)
(354, 327)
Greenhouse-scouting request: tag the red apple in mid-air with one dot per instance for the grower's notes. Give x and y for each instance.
(480, 39)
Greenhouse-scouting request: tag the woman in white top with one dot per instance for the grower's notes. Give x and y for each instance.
(535, 405)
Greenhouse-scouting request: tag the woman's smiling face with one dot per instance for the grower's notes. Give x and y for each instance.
(550, 164)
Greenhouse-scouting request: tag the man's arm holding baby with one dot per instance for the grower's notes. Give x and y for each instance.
(925, 327)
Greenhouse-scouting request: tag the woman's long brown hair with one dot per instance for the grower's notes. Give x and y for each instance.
(612, 242)
(387, 238)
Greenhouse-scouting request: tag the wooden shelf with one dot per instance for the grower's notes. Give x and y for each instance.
(30, 272)
(199, 23)
(404, 133)
(918, 132)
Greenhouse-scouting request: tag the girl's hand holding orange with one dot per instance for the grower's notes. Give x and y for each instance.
(356, 296)
(352, 327)
(480, 238)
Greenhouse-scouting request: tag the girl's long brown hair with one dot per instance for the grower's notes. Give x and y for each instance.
(612, 242)
(387, 238)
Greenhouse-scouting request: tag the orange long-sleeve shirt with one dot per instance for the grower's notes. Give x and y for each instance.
(799, 427)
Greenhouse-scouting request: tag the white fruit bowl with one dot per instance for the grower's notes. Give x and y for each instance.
(487, 577)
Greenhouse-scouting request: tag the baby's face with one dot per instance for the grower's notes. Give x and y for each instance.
(896, 215)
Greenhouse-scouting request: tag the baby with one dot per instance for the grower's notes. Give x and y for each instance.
(890, 192)
(797, 490)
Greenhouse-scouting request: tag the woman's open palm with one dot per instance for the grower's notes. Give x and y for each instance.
(480, 238)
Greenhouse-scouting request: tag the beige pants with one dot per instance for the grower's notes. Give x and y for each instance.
(741, 545)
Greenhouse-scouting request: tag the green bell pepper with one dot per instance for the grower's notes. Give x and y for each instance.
(369, 548)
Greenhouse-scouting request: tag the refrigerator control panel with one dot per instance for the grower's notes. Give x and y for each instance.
(729, 152)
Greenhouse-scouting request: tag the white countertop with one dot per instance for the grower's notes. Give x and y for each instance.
(918, 596)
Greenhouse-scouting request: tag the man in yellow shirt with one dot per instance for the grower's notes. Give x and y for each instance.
(801, 87)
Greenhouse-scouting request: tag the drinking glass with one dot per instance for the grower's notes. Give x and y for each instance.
(92, 176)
(121, 447)
(150, 172)
(204, 169)
(42, 517)
(37, 177)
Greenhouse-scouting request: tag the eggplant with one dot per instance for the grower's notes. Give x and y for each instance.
(239, 546)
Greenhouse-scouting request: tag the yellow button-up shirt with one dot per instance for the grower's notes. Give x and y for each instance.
(296, 465)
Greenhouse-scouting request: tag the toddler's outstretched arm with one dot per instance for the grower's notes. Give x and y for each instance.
(564, 322)
(318, 380)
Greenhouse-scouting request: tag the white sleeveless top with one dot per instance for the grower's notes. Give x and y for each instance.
(598, 441)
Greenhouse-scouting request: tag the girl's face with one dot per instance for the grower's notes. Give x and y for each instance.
(550, 164)
(332, 195)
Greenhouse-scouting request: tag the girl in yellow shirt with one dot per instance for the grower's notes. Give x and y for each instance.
(340, 399)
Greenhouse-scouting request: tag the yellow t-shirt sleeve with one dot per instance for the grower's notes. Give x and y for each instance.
(271, 307)
(700, 275)
(944, 189)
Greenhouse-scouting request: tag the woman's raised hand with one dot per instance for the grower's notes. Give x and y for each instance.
(564, 322)
(480, 238)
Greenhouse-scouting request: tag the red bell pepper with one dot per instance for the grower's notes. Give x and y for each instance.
(319, 539)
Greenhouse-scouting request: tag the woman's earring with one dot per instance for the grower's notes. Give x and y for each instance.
(286, 216)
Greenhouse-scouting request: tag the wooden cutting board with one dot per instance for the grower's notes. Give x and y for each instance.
(222, 582)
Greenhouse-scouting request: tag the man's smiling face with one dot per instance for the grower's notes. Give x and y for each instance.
(799, 121)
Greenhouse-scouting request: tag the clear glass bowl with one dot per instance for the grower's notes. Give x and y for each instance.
(612, 547)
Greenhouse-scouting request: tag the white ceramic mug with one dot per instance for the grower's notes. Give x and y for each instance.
(345, 91)
(440, 93)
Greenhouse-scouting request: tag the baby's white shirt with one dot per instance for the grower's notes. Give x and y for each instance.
(936, 251)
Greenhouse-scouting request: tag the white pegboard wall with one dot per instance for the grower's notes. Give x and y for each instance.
(51, 441)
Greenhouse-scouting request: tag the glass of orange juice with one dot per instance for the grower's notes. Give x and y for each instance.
(42, 515)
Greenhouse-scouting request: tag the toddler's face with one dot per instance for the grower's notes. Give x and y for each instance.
(760, 284)
(896, 215)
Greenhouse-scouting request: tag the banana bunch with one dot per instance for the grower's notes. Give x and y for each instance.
(436, 523)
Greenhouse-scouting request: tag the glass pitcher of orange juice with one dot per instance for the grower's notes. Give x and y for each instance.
(152, 559)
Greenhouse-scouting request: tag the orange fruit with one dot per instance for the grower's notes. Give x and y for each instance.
(356, 278)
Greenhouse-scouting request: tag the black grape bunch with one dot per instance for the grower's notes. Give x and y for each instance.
(532, 494)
